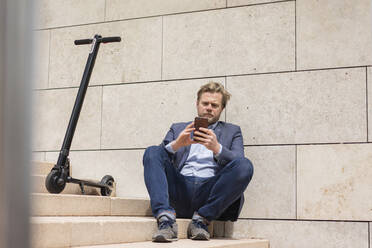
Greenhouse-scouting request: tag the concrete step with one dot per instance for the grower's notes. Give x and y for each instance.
(183, 243)
(38, 186)
(79, 231)
(41, 168)
(44, 204)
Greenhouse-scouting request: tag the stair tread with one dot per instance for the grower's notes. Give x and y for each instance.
(45, 204)
(221, 242)
(78, 219)
(86, 196)
(98, 230)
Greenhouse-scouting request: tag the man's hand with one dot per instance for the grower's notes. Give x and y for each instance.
(207, 138)
(184, 139)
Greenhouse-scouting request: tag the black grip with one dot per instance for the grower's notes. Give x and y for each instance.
(83, 41)
(111, 39)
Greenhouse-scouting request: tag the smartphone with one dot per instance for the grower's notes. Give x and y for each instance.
(200, 122)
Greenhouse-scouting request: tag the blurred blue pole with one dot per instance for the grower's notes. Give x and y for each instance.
(15, 147)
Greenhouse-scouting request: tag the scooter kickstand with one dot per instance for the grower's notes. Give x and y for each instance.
(82, 188)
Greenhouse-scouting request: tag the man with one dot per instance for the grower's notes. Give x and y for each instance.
(198, 174)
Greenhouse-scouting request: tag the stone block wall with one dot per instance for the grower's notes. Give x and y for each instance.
(300, 74)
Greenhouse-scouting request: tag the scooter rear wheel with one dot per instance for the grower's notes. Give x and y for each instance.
(54, 183)
(109, 181)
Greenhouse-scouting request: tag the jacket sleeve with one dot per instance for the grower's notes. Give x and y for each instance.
(236, 150)
(169, 137)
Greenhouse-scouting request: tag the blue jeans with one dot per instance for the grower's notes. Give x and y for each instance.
(170, 191)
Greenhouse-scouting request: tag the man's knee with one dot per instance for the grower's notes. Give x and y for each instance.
(151, 153)
(244, 169)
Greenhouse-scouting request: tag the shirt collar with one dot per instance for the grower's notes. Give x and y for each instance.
(213, 126)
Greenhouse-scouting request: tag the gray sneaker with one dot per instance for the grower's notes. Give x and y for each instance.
(198, 230)
(167, 231)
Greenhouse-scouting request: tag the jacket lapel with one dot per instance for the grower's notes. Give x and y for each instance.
(218, 130)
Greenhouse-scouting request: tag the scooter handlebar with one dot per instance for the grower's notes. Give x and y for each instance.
(103, 40)
(83, 41)
(111, 39)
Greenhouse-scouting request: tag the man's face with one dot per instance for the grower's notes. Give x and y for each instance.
(210, 106)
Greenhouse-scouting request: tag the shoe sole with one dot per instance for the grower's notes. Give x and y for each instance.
(200, 236)
(162, 239)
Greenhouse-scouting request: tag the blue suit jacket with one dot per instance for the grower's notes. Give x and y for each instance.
(231, 139)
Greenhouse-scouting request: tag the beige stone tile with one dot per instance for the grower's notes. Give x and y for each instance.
(231, 3)
(38, 156)
(82, 232)
(333, 33)
(304, 234)
(38, 183)
(231, 41)
(69, 205)
(136, 58)
(218, 229)
(369, 76)
(40, 70)
(130, 207)
(57, 13)
(96, 230)
(334, 182)
(117, 9)
(124, 166)
(59, 234)
(139, 115)
(39, 167)
(52, 113)
(301, 107)
(272, 191)
(92, 230)
(51, 157)
(113, 231)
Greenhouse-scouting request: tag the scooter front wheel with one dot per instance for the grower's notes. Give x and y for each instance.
(54, 183)
(109, 181)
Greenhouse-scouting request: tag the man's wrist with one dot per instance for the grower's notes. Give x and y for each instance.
(169, 148)
(175, 146)
(217, 150)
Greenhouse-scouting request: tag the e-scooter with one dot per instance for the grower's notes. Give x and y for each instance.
(60, 173)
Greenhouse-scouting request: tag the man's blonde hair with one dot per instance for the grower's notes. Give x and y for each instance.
(214, 87)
